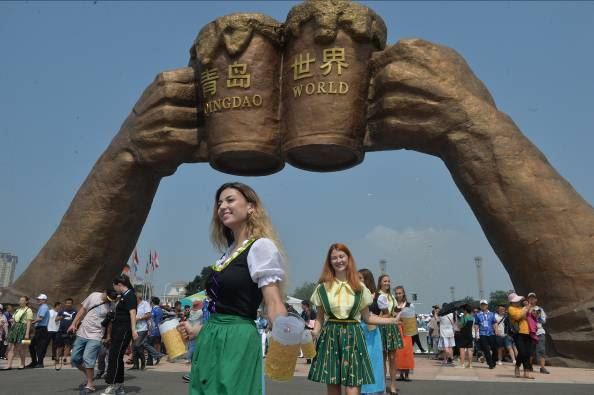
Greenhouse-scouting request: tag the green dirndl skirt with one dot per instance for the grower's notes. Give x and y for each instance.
(391, 339)
(227, 358)
(342, 356)
(17, 332)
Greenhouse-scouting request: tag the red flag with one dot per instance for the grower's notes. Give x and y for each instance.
(135, 257)
(156, 260)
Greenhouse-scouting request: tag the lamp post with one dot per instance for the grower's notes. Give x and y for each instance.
(164, 290)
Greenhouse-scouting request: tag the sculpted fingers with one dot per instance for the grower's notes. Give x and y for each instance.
(175, 87)
(168, 116)
(168, 137)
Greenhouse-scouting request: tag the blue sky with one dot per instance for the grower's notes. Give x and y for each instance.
(71, 71)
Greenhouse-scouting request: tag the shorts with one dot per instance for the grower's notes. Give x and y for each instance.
(446, 342)
(64, 339)
(84, 352)
(540, 348)
(500, 341)
(509, 341)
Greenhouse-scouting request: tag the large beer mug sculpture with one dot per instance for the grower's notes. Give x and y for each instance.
(237, 60)
(325, 81)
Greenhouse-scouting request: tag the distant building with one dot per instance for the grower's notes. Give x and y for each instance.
(174, 292)
(8, 264)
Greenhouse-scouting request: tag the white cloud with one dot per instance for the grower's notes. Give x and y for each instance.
(428, 261)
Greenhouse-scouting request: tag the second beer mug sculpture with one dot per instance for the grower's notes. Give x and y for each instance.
(328, 45)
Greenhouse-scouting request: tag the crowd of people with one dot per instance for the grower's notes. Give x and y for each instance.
(107, 327)
(361, 327)
(514, 333)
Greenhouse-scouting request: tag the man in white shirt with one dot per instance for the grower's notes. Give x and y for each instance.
(90, 334)
(143, 315)
(52, 326)
(446, 338)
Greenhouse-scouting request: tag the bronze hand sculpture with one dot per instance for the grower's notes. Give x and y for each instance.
(104, 220)
(426, 98)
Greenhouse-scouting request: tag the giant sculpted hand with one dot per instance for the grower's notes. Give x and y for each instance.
(422, 95)
(425, 97)
(162, 131)
(102, 224)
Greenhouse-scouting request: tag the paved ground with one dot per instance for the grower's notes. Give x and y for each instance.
(429, 377)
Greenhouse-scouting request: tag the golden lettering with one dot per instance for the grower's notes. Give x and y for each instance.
(321, 89)
(300, 66)
(330, 86)
(232, 102)
(209, 78)
(238, 77)
(333, 56)
(297, 89)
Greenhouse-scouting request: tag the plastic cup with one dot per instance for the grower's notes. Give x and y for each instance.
(285, 342)
(307, 345)
(409, 321)
(172, 338)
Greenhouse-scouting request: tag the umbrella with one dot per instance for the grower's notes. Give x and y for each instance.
(188, 300)
(452, 307)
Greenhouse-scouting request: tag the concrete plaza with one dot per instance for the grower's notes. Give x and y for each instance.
(429, 377)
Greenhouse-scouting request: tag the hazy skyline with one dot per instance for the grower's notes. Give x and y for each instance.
(71, 72)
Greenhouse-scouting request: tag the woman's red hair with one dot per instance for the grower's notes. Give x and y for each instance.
(329, 275)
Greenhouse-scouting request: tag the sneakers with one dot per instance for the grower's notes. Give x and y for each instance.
(499, 363)
(544, 371)
(186, 378)
(114, 390)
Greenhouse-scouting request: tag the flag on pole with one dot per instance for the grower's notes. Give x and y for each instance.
(156, 260)
(135, 258)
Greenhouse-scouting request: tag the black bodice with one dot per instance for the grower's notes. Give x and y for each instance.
(233, 291)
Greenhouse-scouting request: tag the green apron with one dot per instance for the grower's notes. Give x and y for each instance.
(342, 356)
(228, 357)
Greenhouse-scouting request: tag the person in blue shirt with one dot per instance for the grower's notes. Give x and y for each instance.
(486, 323)
(154, 333)
(38, 345)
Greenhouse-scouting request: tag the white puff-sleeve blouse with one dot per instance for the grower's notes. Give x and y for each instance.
(265, 263)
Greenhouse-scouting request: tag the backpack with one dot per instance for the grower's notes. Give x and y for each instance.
(513, 328)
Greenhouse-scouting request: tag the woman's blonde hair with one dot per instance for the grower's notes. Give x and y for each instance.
(258, 224)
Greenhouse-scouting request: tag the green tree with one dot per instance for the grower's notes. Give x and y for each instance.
(471, 301)
(496, 298)
(199, 282)
(304, 292)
